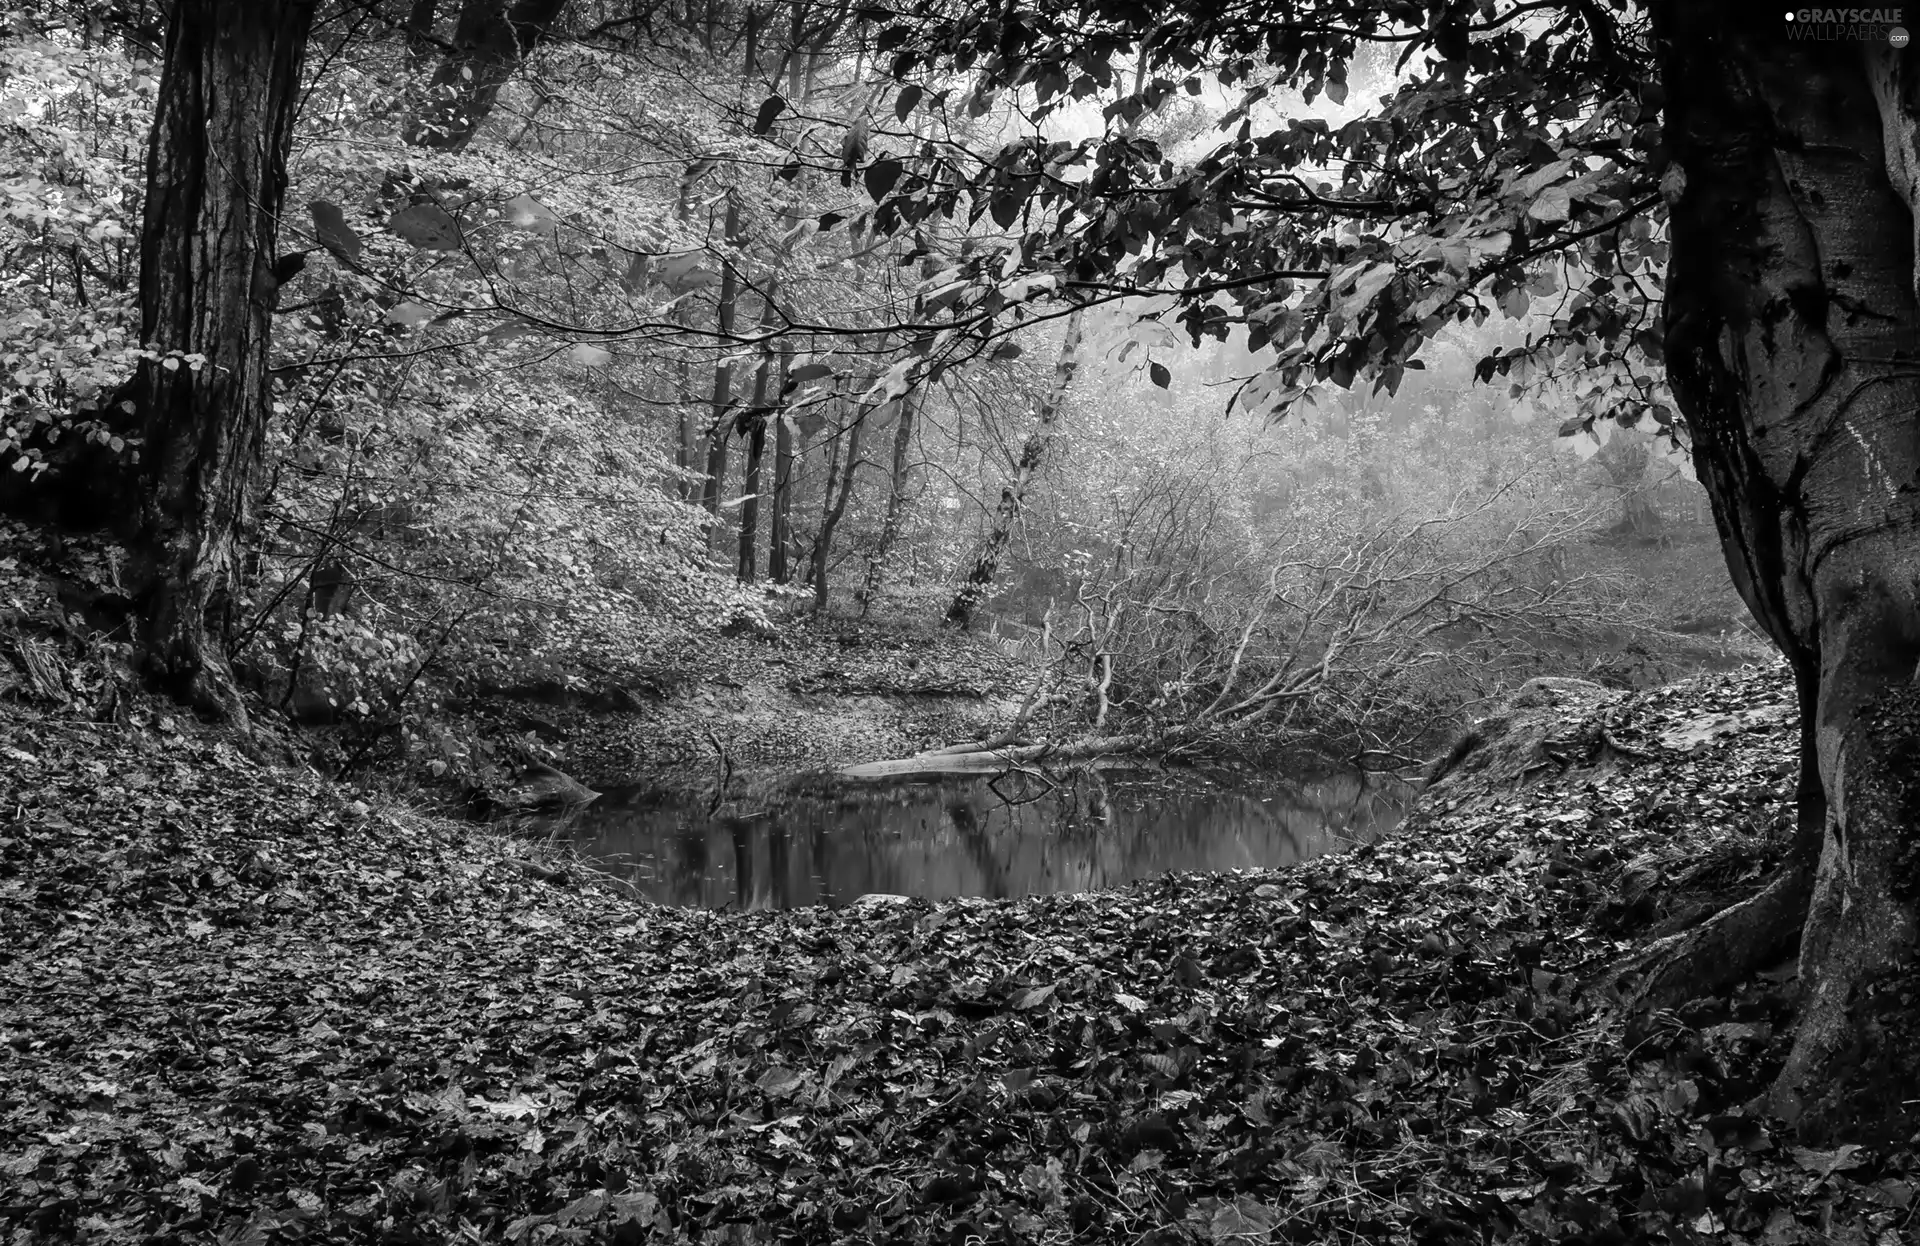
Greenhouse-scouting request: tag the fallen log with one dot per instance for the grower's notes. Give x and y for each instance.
(989, 759)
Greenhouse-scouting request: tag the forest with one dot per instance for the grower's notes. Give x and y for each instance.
(792, 620)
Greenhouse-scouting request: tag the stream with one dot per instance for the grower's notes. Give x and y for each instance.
(781, 842)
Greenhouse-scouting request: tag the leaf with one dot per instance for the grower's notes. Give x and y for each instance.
(809, 372)
(519, 1106)
(1553, 204)
(1337, 92)
(331, 228)
(1006, 350)
(1545, 176)
(1035, 996)
(881, 175)
(903, 103)
(1005, 209)
(778, 1083)
(1244, 1219)
(853, 145)
(427, 226)
(590, 355)
(770, 110)
(526, 212)
(1159, 374)
(1132, 1003)
(1826, 1163)
(1673, 184)
(1368, 283)
(640, 1206)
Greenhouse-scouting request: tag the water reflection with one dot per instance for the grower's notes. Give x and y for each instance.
(778, 843)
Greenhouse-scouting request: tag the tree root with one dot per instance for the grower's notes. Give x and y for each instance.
(1733, 944)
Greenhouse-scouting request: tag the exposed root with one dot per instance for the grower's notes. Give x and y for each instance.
(1733, 944)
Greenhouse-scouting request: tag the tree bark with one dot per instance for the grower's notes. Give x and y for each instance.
(1792, 347)
(490, 40)
(835, 508)
(781, 534)
(683, 432)
(756, 451)
(420, 19)
(1013, 495)
(722, 427)
(216, 175)
(896, 504)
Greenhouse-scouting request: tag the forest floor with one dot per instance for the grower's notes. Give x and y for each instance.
(238, 1004)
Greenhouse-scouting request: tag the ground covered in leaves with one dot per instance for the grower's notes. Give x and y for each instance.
(238, 1005)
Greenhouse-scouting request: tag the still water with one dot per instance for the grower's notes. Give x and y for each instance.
(780, 843)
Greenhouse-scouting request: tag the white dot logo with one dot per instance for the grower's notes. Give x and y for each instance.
(1897, 36)
(1790, 15)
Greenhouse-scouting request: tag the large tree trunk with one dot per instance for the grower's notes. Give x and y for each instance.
(490, 39)
(216, 174)
(1013, 496)
(1792, 342)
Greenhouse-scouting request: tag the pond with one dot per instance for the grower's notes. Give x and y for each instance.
(782, 842)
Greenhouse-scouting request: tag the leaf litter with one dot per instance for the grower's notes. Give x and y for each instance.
(238, 1005)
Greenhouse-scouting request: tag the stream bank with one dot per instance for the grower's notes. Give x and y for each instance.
(238, 1003)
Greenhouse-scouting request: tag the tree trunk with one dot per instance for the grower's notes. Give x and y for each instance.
(683, 430)
(1791, 345)
(216, 174)
(420, 46)
(896, 504)
(722, 427)
(1013, 496)
(490, 39)
(835, 508)
(756, 451)
(782, 526)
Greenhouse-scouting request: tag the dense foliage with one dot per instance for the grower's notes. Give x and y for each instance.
(512, 354)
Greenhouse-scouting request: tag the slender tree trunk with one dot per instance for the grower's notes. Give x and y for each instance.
(1033, 455)
(1791, 345)
(796, 71)
(756, 432)
(686, 454)
(683, 432)
(420, 19)
(216, 175)
(781, 535)
(490, 39)
(896, 503)
(750, 63)
(835, 508)
(722, 428)
(756, 450)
